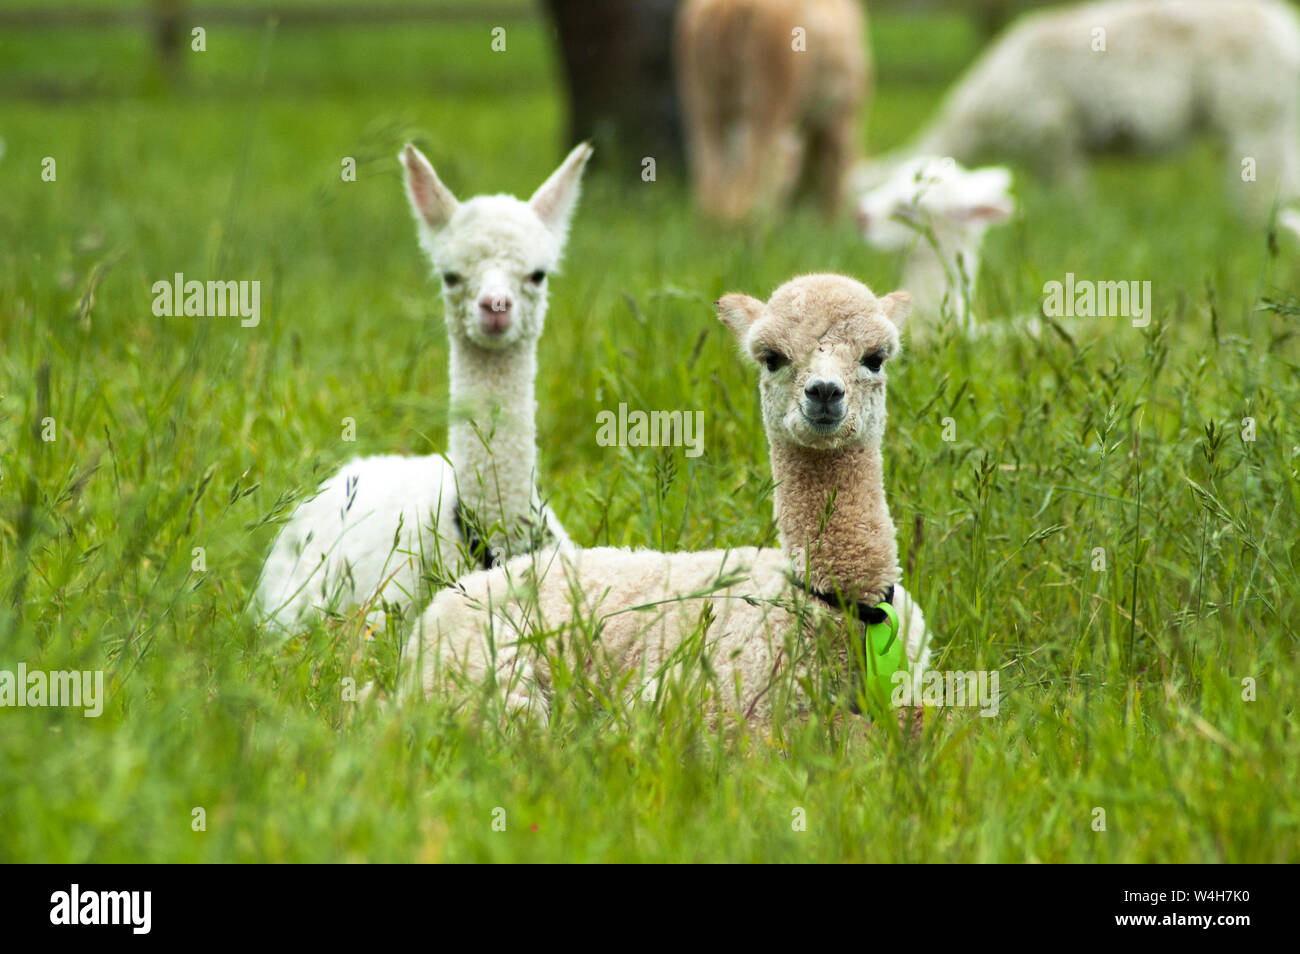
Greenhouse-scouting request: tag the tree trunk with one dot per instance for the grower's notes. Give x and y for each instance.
(169, 35)
(618, 69)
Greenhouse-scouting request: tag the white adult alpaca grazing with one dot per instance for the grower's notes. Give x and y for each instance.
(493, 254)
(822, 341)
(1138, 74)
(938, 212)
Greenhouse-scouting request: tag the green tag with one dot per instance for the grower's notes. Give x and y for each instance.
(885, 655)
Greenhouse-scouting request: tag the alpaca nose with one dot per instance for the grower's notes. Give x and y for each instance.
(823, 391)
(495, 302)
(494, 313)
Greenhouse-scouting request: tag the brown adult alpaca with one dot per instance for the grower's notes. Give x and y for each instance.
(771, 91)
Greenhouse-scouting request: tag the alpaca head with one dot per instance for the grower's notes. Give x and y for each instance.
(493, 253)
(935, 194)
(822, 342)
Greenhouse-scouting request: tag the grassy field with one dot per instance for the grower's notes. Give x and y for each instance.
(1123, 686)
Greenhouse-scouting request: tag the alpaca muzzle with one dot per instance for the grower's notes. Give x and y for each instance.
(823, 405)
(494, 314)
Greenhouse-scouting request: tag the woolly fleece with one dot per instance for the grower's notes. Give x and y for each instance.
(827, 325)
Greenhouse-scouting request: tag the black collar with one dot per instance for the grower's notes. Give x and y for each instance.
(477, 547)
(869, 613)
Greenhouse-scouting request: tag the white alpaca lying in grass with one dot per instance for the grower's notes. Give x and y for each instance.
(1144, 75)
(938, 213)
(380, 524)
(746, 614)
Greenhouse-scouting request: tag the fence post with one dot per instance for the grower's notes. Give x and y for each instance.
(169, 34)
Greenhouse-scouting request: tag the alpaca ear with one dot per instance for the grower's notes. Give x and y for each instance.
(897, 306)
(432, 202)
(555, 199)
(738, 312)
(990, 195)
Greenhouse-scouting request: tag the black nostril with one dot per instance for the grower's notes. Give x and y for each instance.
(827, 392)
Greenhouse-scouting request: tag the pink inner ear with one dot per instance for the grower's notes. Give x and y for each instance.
(417, 176)
(420, 189)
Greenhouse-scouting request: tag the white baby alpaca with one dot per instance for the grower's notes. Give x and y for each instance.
(375, 528)
(937, 212)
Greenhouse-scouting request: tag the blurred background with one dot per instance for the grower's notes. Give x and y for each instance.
(231, 162)
(610, 60)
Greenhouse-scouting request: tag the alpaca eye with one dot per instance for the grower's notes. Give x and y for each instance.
(774, 360)
(537, 277)
(872, 362)
(450, 279)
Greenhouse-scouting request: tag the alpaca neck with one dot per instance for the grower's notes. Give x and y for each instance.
(492, 437)
(854, 550)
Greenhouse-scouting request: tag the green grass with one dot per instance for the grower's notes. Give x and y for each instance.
(1123, 687)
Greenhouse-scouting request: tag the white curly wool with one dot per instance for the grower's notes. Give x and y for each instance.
(823, 340)
(376, 527)
(1144, 75)
(937, 212)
